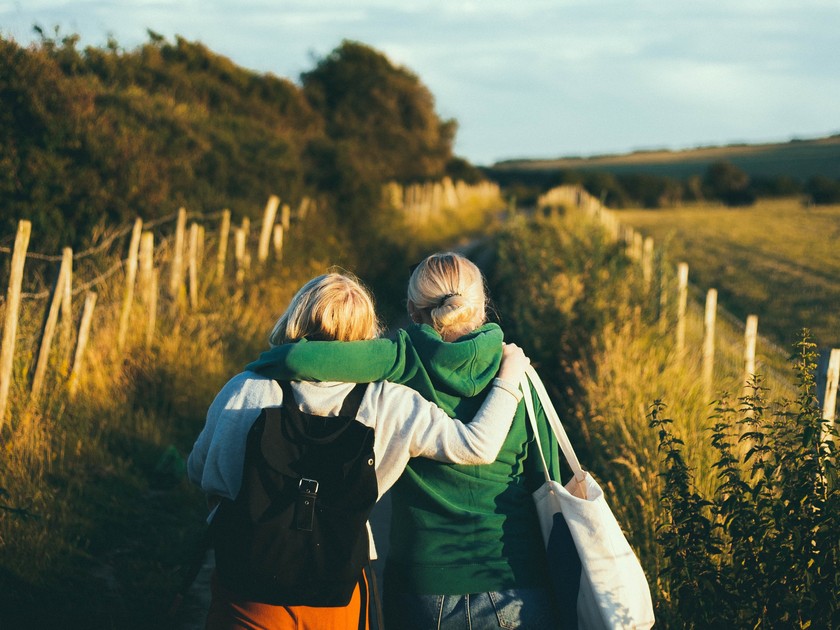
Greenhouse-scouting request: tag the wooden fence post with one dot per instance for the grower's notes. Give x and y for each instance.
(750, 337)
(67, 315)
(7, 350)
(201, 240)
(246, 235)
(239, 254)
(81, 343)
(682, 303)
(52, 320)
(829, 409)
(130, 278)
(147, 265)
(267, 224)
(176, 278)
(278, 241)
(663, 297)
(193, 266)
(224, 233)
(303, 208)
(647, 262)
(638, 246)
(709, 341)
(151, 305)
(285, 216)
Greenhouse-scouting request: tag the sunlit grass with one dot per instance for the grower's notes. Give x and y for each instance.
(777, 259)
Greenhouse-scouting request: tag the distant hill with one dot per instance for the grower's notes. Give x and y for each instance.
(800, 159)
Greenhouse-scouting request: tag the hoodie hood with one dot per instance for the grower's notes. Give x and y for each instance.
(463, 367)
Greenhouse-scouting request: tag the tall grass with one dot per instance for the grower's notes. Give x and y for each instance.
(97, 519)
(106, 516)
(579, 307)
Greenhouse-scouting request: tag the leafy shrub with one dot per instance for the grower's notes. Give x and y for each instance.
(823, 190)
(762, 551)
(728, 183)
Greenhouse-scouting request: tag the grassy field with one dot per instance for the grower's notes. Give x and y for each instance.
(777, 259)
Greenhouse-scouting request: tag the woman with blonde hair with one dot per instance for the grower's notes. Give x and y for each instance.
(393, 423)
(465, 546)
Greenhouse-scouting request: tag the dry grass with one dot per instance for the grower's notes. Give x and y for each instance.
(100, 509)
(777, 259)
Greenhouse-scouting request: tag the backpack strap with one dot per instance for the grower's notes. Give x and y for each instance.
(353, 401)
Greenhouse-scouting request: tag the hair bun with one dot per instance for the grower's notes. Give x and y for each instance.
(445, 299)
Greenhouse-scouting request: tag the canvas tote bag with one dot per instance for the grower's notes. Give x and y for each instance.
(613, 590)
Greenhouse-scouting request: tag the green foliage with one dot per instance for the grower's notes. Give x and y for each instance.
(823, 190)
(776, 187)
(725, 181)
(99, 136)
(762, 552)
(380, 126)
(687, 535)
(95, 137)
(380, 117)
(459, 169)
(567, 269)
(625, 187)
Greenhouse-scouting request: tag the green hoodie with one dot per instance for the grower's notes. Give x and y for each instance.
(455, 529)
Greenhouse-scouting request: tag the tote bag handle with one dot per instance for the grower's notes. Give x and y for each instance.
(531, 381)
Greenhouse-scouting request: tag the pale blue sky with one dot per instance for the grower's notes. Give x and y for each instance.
(530, 78)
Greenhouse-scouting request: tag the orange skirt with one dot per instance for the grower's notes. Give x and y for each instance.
(228, 612)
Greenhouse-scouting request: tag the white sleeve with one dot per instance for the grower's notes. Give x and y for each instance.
(407, 425)
(215, 462)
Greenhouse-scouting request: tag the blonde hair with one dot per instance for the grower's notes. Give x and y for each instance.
(451, 289)
(331, 307)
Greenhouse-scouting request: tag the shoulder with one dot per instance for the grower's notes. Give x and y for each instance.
(249, 389)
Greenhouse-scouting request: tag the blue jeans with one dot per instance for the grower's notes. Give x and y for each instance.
(523, 609)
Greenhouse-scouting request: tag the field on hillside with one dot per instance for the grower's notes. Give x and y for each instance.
(777, 259)
(798, 159)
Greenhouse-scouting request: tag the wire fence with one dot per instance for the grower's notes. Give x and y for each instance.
(728, 345)
(146, 269)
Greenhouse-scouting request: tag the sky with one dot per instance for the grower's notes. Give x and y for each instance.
(528, 78)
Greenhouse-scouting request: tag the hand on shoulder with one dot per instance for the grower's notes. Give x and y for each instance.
(514, 363)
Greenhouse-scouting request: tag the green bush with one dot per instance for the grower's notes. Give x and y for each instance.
(762, 551)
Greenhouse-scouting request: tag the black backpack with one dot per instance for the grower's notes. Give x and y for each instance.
(296, 534)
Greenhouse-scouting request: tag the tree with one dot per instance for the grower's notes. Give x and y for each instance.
(380, 116)
(730, 184)
(823, 190)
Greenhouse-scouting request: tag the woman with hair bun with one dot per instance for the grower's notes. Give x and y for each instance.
(465, 546)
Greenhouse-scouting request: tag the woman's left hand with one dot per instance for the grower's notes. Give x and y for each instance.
(514, 363)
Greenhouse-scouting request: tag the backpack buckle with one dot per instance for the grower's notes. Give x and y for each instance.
(305, 504)
(309, 486)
